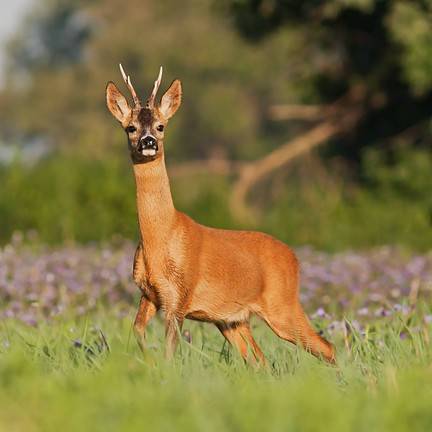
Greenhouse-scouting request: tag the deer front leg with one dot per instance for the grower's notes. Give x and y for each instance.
(146, 311)
(173, 325)
(138, 271)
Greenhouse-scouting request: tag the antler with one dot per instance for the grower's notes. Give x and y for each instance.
(150, 101)
(128, 82)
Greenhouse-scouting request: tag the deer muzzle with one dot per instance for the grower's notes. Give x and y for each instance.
(147, 146)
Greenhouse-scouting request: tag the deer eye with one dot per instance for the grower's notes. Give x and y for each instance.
(130, 129)
(160, 128)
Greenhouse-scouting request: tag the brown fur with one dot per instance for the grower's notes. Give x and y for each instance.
(145, 117)
(188, 270)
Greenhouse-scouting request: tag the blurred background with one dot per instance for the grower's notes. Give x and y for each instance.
(309, 120)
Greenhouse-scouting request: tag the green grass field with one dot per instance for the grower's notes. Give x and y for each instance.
(64, 376)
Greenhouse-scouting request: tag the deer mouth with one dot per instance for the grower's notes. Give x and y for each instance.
(148, 152)
(144, 155)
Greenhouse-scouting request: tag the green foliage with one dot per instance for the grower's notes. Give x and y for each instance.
(394, 208)
(404, 173)
(382, 46)
(68, 199)
(382, 383)
(410, 24)
(73, 198)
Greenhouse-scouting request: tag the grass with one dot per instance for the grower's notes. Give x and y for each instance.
(63, 376)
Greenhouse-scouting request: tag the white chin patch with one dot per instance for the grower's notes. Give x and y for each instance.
(148, 152)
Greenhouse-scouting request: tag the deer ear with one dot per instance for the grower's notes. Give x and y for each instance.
(171, 100)
(117, 103)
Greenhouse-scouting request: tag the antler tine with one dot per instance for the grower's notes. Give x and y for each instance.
(156, 86)
(128, 82)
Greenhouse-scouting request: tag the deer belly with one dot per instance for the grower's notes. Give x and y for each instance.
(206, 316)
(218, 311)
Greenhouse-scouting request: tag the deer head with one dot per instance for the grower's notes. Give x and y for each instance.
(144, 124)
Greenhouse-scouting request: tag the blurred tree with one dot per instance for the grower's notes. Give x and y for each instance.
(54, 36)
(386, 45)
(381, 49)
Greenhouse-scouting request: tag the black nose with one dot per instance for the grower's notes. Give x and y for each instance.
(148, 142)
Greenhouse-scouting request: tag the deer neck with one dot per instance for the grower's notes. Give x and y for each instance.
(156, 212)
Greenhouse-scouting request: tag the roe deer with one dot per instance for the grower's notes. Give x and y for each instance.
(192, 271)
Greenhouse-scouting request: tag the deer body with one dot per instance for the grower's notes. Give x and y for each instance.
(191, 271)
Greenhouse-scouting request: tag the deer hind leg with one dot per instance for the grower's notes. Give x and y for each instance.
(173, 326)
(293, 325)
(240, 336)
(146, 311)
